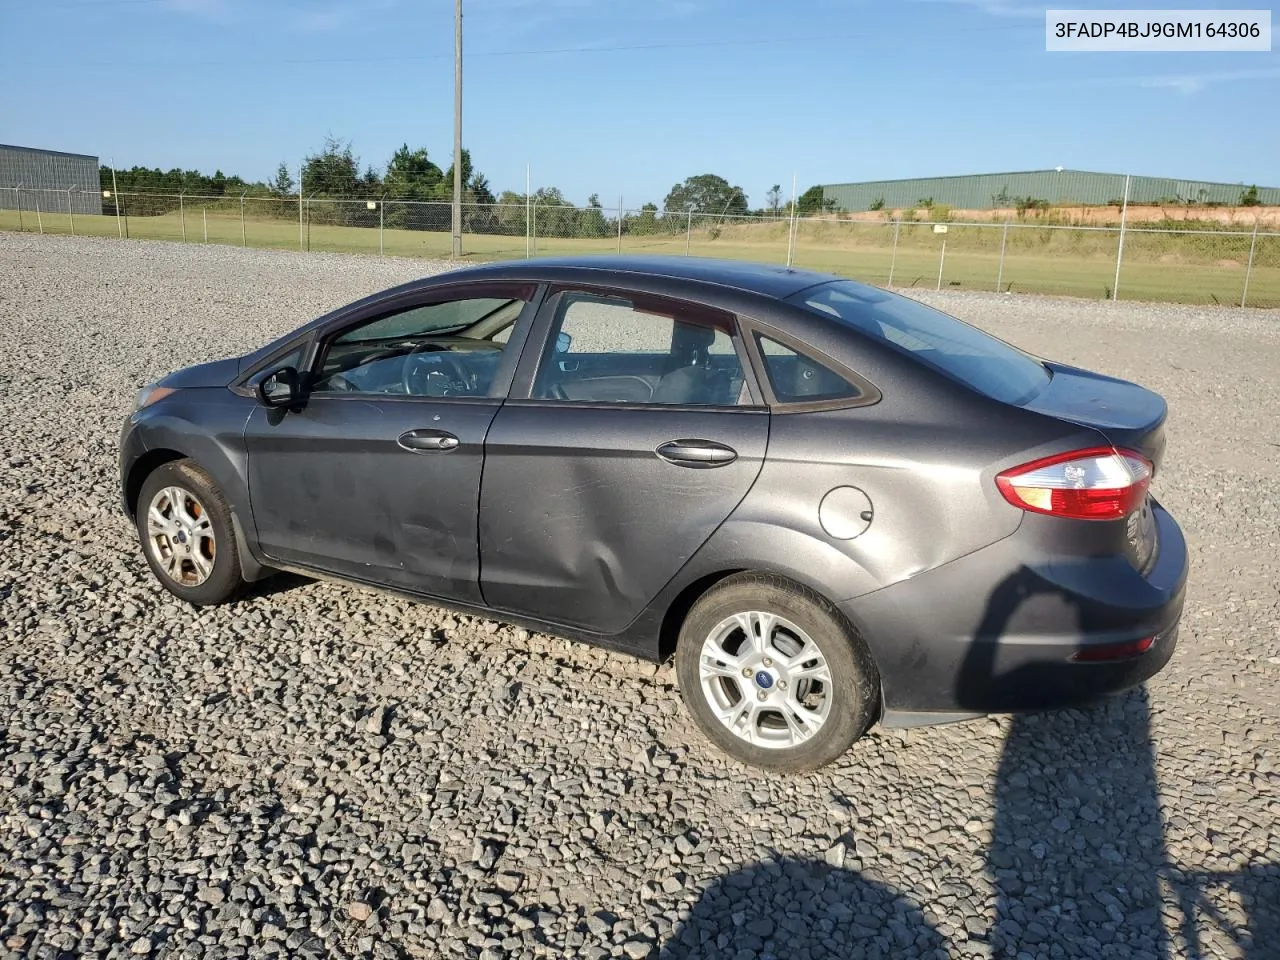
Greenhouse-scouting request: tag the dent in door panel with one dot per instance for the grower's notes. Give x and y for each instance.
(581, 520)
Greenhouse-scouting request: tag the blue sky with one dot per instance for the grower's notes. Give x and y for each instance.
(627, 97)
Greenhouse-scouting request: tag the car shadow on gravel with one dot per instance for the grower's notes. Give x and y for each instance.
(1076, 858)
(1077, 853)
(1077, 847)
(791, 908)
(279, 582)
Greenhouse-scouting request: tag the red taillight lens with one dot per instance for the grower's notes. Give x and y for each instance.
(1114, 651)
(1101, 483)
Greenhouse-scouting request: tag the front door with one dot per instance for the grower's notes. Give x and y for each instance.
(634, 441)
(377, 476)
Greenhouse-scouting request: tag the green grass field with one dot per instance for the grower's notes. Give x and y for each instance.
(1182, 269)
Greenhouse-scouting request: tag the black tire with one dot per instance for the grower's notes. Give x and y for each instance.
(854, 689)
(215, 546)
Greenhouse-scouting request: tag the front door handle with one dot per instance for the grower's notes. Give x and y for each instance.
(428, 441)
(696, 453)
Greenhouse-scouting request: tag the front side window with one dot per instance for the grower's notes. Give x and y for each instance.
(797, 378)
(448, 349)
(609, 349)
(291, 359)
(979, 360)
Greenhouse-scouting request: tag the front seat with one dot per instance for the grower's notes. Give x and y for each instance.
(694, 381)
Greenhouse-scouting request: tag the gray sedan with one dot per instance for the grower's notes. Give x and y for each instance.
(833, 505)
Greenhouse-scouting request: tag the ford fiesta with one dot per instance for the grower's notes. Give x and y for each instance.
(833, 505)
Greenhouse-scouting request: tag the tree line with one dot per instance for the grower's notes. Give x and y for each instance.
(331, 173)
(335, 172)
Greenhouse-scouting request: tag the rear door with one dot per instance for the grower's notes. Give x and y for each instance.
(632, 432)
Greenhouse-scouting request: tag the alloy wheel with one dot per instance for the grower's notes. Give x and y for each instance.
(180, 536)
(765, 679)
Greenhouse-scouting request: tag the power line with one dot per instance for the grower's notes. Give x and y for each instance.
(532, 52)
(100, 3)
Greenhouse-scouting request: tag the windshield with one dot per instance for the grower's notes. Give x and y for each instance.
(436, 318)
(976, 359)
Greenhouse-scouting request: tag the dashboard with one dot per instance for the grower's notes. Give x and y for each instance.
(434, 367)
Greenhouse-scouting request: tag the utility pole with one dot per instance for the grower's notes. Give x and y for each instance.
(115, 193)
(1124, 216)
(457, 128)
(791, 229)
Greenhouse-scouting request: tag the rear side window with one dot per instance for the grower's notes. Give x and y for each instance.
(978, 360)
(616, 349)
(797, 378)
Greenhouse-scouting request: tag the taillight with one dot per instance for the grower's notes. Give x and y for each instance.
(1101, 483)
(1113, 651)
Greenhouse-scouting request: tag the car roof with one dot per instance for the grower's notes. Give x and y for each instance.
(737, 276)
(765, 279)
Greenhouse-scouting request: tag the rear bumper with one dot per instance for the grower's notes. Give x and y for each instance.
(997, 631)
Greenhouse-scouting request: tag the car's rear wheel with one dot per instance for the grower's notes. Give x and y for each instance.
(774, 675)
(185, 527)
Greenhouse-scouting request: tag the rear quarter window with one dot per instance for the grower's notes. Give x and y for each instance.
(796, 378)
(978, 360)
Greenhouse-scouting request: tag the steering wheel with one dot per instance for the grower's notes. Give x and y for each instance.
(431, 372)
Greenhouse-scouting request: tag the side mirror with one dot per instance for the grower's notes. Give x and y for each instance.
(280, 388)
(563, 342)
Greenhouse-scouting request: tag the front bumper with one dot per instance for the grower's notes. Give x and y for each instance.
(131, 450)
(996, 631)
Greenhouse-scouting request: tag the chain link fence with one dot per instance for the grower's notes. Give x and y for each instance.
(1236, 263)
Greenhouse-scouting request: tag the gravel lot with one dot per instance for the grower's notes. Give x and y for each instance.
(318, 771)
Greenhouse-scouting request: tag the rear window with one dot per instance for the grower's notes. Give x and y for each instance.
(978, 360)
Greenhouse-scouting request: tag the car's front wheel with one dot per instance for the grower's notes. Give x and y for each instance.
(184, 524)
(774, 675)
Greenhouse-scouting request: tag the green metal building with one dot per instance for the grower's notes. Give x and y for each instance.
(1059, 187)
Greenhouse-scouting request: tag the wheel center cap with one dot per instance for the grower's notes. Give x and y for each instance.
(181, 536)
(764, 679)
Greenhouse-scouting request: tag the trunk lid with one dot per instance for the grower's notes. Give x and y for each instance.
(1127, 415)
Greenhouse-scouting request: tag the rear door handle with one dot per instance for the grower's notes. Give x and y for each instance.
(696, 453)
(428, 441)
